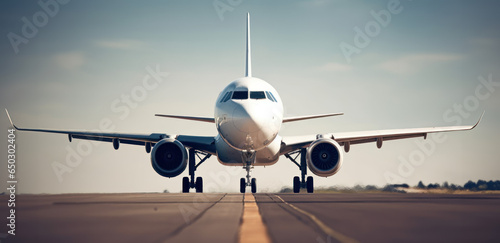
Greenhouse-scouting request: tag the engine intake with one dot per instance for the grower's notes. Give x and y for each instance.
(324, 157)
(169, 157)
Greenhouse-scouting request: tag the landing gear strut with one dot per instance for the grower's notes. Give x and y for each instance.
(300, 182)
(248, 159)
(188, 183)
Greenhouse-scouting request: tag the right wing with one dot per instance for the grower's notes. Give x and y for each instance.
(348, 138)
(202, 143)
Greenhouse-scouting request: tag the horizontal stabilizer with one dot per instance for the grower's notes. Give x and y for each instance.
(300, 118)
(192, 118)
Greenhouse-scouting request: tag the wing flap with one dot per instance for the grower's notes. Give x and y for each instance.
(101, 139)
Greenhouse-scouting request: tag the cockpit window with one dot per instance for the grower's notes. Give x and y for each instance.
(240, 95)
(227, 96)
(257, 95)
(270, 96)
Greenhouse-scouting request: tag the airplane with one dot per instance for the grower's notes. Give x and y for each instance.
(248, 117)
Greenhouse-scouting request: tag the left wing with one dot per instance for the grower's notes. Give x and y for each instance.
(205, 144)
(347, 138)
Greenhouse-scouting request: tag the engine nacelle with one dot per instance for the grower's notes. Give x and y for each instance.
(324, 157)
(169, 157)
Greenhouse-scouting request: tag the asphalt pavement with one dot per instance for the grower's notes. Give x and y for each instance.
(208, 217)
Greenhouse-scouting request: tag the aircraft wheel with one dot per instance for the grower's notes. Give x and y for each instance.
(243, 185)
(296, 184)
(199, 184)
(185, 184)
(254, 185)
(310, 184)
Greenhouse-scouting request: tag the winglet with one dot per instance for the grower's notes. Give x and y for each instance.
(478, 121)
(248, 70)
(11, 123)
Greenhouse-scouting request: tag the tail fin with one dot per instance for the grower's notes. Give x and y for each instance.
(248, 70)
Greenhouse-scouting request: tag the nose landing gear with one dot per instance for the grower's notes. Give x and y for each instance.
(248, 157)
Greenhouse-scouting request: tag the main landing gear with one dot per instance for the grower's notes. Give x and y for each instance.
(188, 183)
(248, 157)
(301, 182)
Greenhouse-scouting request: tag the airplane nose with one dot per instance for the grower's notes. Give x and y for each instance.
(249, 119)
(251, 126)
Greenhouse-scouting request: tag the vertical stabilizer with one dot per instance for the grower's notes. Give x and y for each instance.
(248, 68)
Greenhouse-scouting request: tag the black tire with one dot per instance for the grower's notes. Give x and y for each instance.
(310, 184)
(243, 185)
(254, 185)
(199, 184)
(185, 184)
(296, 184)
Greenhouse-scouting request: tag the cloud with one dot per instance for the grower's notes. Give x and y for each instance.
(123, 44)
(416, 62)
(335, 67)
(69, 60)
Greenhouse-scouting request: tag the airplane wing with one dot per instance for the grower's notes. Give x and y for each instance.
(201, 143)
(348, 138)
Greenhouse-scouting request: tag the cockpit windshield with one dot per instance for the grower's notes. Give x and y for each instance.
(257, 95)
(240, 95)
(243, 95)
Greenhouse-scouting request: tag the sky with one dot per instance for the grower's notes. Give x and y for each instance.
(112, 65)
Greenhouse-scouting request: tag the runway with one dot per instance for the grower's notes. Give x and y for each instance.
(169, 217)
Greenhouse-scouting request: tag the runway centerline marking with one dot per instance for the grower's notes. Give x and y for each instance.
(252, 228)
(329, 231)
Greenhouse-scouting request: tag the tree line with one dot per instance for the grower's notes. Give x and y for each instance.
(480, 185)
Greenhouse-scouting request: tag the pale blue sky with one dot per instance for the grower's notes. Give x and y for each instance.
(90, 53)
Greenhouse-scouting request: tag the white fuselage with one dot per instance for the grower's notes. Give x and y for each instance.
(248, 116)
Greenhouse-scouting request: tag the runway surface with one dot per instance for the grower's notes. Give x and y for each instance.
(355, 217)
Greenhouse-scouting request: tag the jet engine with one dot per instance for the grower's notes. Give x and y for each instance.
(324, 157)
(169, 157)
